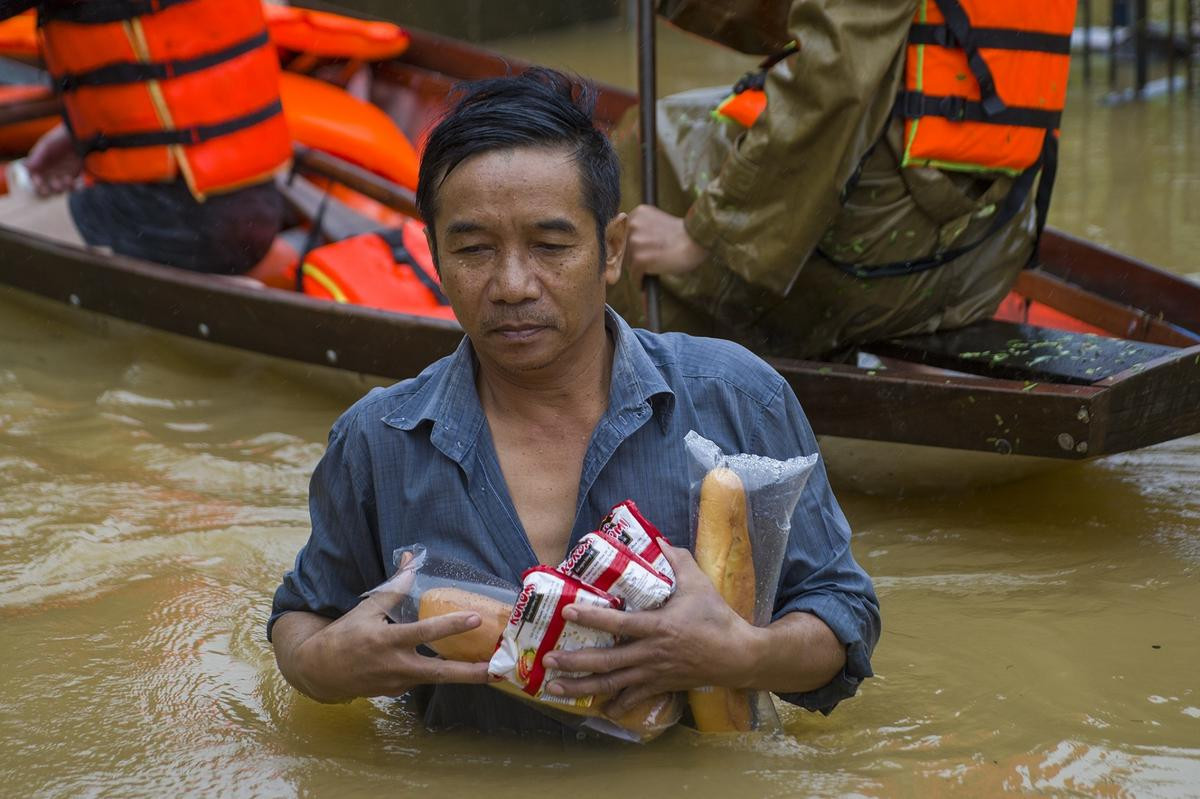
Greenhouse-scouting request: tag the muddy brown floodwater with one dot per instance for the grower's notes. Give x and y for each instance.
(1041, 638)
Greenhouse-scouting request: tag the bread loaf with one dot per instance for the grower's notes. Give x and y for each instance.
(474, 645)
(723, 553)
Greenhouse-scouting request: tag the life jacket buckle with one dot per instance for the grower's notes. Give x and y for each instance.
(952, 108)
(992, 104)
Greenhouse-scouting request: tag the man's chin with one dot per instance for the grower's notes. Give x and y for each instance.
(522, 354)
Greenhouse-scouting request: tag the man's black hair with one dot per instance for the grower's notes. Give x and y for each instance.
(538, 108)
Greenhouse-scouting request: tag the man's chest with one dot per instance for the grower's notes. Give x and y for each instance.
(469, 512)
(541, 475)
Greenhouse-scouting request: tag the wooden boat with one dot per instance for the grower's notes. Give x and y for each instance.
(1013, 395)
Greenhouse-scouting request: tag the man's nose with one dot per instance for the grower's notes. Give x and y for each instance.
(515, 279)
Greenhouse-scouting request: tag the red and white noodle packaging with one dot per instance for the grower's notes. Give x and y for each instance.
(601, 570)
(537, 626)
(603, 561)
(626, 523)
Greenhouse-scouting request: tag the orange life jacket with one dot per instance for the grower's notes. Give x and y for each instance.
(155, 89)
(321, 33)
(746, 103)
(329, 118)
(391, 269)
(985, 80)
(18, 35)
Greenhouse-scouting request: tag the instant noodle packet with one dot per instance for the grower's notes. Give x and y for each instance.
(537, 627)
(603, 562)
(627, 524)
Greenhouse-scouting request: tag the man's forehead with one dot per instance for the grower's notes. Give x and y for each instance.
(512, 180)
(519, 161)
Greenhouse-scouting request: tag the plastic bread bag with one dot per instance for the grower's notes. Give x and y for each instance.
(741, 512)
(424, 587)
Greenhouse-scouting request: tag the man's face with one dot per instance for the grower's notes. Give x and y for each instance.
(519, 258)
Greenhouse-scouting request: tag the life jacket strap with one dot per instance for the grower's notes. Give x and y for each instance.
(960, 27)
(195, 134)
(394, 237)
(914, 105)
(126, 72)
(100, 13)
(757, 79)
(991, 39)
(1047, 165)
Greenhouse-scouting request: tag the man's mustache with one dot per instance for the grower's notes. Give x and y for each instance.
(519, 319)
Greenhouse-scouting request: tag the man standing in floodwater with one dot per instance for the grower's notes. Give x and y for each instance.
(552, 410)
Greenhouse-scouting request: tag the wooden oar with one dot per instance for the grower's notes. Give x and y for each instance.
(27, 110)
(647, 92)
(380, 189)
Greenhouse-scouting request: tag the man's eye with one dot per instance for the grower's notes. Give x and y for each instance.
(550, 246)
(470, 249)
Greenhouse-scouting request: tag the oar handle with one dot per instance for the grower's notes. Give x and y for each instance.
(26, 110)
(647, 129)
(380, 189)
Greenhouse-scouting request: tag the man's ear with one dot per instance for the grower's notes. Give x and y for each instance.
(615, 235)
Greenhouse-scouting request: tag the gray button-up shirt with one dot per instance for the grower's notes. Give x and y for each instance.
(415, 463)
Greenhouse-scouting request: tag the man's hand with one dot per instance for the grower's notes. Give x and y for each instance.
(659, 245)
(694, 640)
(53, 163)
(362, 654)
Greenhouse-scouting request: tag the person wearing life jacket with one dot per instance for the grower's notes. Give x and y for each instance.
(884, 173)
(172, 116)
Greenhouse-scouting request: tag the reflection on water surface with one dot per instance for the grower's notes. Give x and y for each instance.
(1040, 637)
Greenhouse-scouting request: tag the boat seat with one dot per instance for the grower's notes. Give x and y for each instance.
(1023, 352)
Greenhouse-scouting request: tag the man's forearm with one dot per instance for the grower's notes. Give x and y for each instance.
(291, 630)
(795, 654)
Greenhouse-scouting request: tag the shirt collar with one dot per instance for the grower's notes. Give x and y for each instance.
(636, 380)
(451, 402)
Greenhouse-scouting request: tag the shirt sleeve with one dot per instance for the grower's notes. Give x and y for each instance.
(819, 574)
(341, 559)
(780, 187)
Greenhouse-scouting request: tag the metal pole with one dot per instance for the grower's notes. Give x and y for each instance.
(1141, 44)
(1112, 45)
(1087, 42)
(647, 92)
(1189, 19)
(1171, 46)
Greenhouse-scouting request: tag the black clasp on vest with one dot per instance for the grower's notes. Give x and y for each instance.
(992, 104)
(914, 105)
(952, 108)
